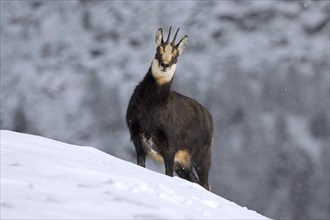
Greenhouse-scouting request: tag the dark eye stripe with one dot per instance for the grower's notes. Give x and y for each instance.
(160, 49)
(173, 61)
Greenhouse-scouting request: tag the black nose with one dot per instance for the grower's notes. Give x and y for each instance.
(165, 65)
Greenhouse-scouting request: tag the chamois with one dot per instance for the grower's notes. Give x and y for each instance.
(167, 126)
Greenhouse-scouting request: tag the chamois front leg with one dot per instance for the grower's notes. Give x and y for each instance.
(135, 130)
(141, 158)
(140, 153)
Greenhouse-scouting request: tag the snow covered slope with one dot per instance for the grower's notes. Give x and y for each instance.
(43, 178)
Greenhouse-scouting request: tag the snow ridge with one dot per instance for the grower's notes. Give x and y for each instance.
(47, 179)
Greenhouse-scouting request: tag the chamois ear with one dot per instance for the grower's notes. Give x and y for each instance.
(182, 44)
(159, 37)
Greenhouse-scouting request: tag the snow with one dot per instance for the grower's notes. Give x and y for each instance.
(46, 179)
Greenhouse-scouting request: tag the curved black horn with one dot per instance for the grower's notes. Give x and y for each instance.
(168, 36)
(176, 33)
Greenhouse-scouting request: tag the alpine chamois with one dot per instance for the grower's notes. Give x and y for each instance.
(166, 125)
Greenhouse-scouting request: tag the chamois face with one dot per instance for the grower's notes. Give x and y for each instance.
(167, 53)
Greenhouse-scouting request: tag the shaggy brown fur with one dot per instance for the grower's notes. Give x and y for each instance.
(166, 125)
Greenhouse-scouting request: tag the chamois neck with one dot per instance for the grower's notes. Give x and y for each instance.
(152, 91)
(163, 88)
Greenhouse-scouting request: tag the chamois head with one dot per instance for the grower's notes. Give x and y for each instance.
(164, 63)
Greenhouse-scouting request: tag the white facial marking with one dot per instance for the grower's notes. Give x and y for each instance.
(167, 55)
(161, 76)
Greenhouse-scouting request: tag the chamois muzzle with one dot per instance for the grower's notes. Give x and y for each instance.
(165, 65)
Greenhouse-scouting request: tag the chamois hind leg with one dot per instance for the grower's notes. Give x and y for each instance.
(165, 150)
(169, 164)
(202, 168)
(186, 173)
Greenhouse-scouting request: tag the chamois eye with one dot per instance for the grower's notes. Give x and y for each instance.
(158, 55)
(160, 50)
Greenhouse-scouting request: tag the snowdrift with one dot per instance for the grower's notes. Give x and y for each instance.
(47, 179)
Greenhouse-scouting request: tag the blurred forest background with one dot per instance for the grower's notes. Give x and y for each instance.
(68, 69)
